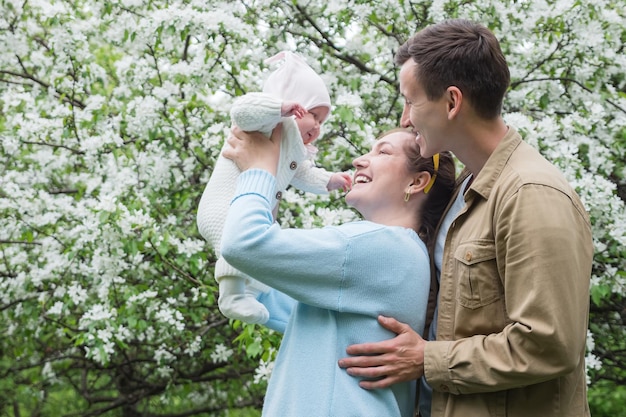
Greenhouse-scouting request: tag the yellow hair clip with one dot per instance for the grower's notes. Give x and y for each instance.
(434, 177)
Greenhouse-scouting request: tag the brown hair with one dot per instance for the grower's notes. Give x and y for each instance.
(459, 53)
(439, 195)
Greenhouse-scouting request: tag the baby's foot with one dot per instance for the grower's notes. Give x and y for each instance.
(243, 307)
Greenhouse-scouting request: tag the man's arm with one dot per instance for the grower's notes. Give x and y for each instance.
(391, 361)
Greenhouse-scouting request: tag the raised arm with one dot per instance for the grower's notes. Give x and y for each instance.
(256, 112)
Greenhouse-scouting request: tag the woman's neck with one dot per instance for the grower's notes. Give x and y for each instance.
(404, 219)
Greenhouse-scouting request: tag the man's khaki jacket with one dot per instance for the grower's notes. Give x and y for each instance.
(513, 295)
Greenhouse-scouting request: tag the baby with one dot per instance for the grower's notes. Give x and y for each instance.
(297, 97)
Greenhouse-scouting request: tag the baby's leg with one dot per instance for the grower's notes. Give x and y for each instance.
(237, 301)
(234, 301)
(215, 201)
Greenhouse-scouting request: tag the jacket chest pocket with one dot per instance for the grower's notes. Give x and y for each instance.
(477, 274)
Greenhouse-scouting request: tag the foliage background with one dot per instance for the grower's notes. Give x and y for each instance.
(112, 114)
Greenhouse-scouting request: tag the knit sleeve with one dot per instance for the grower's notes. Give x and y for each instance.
(256, 112)
(310, 178)
(285, 259)
(333, 268)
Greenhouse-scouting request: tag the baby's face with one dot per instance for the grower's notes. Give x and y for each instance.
(309, 125)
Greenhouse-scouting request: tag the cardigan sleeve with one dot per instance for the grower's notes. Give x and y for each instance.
(310, 178)
(256, 112)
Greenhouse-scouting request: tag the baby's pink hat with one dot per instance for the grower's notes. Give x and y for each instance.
(296, 81)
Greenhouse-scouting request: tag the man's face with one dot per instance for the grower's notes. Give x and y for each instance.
(428, 119)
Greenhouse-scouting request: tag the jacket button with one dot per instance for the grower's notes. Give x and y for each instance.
(444, 388)
(279, 195)
(293, 165)
(468, 256)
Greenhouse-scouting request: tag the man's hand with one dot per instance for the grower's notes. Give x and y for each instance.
(253, 150)
(388, 362)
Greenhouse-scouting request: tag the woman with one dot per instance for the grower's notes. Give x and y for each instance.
(341, 277)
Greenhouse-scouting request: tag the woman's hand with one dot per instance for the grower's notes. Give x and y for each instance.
(253, 150)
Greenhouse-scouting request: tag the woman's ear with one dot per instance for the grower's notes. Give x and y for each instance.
(419, 182)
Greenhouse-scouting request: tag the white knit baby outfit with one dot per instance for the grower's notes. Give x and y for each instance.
(293, 81)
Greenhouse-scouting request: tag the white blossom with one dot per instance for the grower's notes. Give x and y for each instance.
(221, 353)
(263, 372)
(57, 308)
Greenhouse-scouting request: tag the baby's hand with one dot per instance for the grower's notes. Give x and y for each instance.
(291, 108)
(339, 181)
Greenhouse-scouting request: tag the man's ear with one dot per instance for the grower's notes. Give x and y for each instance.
(454, 99)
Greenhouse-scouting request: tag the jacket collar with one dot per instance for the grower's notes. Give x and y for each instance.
(486, 179)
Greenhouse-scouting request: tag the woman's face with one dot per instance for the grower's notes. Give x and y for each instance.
(381, 177)
(309, 125)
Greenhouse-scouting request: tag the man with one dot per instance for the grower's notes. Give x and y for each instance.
(513, 298)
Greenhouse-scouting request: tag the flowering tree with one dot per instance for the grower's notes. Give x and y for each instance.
(113, 112)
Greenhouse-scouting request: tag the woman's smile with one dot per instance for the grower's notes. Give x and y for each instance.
(359, 178)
